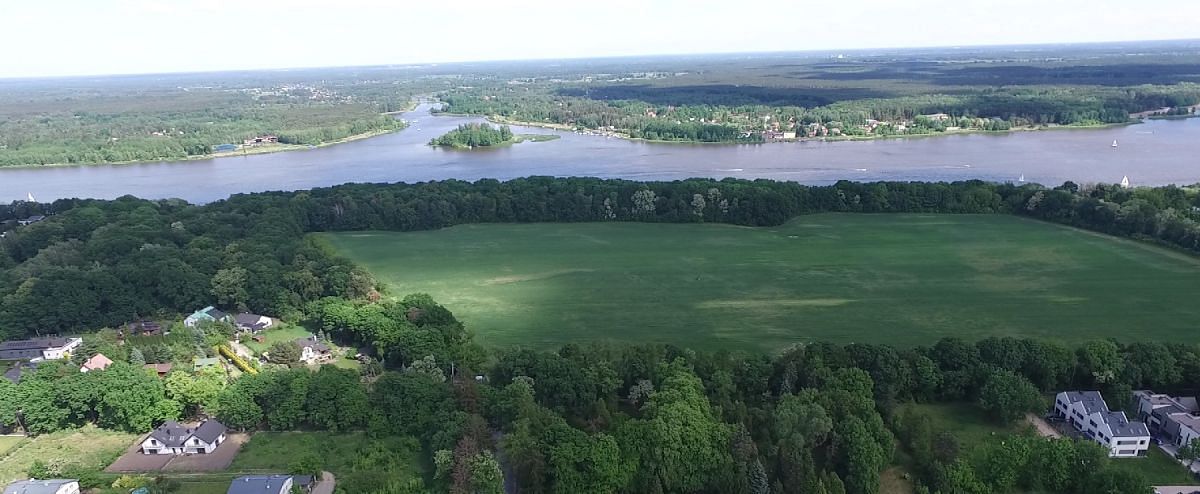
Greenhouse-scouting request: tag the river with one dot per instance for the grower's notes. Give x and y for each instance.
(1153, 153)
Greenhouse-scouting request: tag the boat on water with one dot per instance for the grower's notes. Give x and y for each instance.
(1114, 144)
(1021, 179)
(1125, 182)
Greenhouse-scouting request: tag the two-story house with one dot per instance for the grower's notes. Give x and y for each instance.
(173, 438)
(1089, 414)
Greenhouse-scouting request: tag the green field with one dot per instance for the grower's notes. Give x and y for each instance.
(9, 443)
(899, 279)
(88, 447)
(355, 459)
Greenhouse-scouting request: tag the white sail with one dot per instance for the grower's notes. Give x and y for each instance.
(1022, 178)
(1114, 143)
(1125, 181)
(30, 195)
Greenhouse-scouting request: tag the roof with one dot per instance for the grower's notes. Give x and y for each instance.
(159, 368)
(247, 318)
(97, 362)
(310, 343)
(34, 344)
(209, 312)
(48, 486)
(172, 434)
(14, 374)
(1122, 427)
(258, 484)
(1092, 401)
(1187, 420)
(205, 362)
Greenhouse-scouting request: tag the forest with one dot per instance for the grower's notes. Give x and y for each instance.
(468, 136)
(589, 417)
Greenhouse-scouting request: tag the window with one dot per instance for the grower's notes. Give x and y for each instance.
(1126, 443)
(1127, 452)
(1092, 422)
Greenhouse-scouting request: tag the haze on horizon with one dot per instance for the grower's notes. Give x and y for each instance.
(94, 37)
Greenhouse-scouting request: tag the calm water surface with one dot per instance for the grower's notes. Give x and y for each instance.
(1154, 153)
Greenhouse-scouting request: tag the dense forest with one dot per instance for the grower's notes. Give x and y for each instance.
(103, 263)
(590, 417)
(474, 135)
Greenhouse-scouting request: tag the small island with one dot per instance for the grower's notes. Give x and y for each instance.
(474, 135)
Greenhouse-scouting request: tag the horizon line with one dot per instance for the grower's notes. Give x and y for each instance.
(596, 57)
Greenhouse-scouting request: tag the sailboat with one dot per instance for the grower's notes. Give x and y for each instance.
(1114, 144)
(30, 196)
(1125, 182)
(1022, 178)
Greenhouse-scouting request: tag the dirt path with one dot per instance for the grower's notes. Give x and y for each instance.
(1042, 427)
(325, 485)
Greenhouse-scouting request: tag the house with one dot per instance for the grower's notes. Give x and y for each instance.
(252, 322)
(203, 363)
(313, 352)
(31, 220)
(144, 327)
(207, 314)
(260, 140)
(39, 348)
(48, 486)
(161, 369)
(1172, 419)
(1089, 414)
(261, 484)
(97, 362)
(173, 438)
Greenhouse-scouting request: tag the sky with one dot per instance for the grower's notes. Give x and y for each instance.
(84, 37)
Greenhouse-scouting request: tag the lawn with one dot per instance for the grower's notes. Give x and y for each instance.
(353, 458)
(8, 443)
(903, 279)
(1158, 468)
(281, 332)
(966, 421)
(88, 446)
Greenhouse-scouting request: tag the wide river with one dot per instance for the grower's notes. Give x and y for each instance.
(1153, 153)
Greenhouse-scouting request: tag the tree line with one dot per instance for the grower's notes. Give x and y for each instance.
(474, 135)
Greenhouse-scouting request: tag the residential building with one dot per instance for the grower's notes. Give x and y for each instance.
(1172, 419)
(31, 220)
(261, 484)
(39, 348)
(161, 369)
(173, 438)
(144, 327)
(97, 362)
(252, 322)
(202, 363)
(313, 352)
(207, 314)
(1089, 414)
(48, 486)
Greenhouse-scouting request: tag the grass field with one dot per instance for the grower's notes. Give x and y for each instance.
(282, 332)
(88, 446)
(353, 458)
(899, 279)
(8, 443)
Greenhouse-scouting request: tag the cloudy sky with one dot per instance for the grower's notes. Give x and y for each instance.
(73, 37)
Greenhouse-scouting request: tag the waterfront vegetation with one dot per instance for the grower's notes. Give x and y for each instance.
(445, 412)
(474, 135)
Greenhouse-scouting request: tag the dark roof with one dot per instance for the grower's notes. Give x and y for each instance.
(1122, 427)
(257, 484)
(210, 430)
(302, 480)
(247, 318)
(1092, 401)
(316, 345)
(14, 374)
(48, 486)
(216, 313)
(33, 344)
(172, 434)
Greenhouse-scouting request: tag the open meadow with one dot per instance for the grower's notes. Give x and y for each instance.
(898, 279)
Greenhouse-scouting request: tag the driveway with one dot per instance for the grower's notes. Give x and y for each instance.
(1176, 489)
(325, 485)
(1044, 428)
(1172, 451)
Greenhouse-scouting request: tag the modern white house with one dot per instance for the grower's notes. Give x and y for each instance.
(173, 438)
(48, 486)
(39, 348)
(207, 314)
(252, 322)
(261, 484)
(1089, 414)
(1170, 418)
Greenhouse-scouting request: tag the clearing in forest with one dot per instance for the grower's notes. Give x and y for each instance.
(903, 279)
